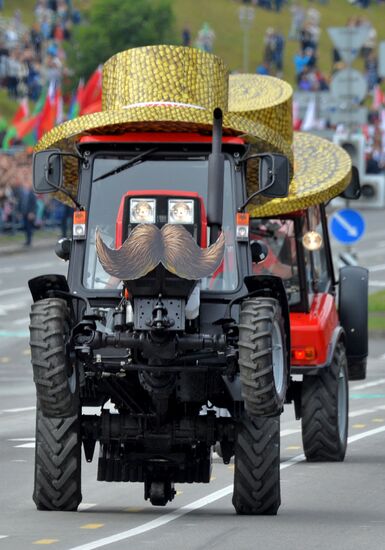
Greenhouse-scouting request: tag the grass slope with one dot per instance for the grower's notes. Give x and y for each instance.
(377, 311)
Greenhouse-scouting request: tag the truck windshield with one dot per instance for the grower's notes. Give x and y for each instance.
(174, 174)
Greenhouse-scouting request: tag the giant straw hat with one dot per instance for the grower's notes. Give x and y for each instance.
(176, 89)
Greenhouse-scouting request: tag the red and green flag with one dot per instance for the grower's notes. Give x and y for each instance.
(48, 112)
(21, 114)
(76, 101)
(92, 92)
(22, 111)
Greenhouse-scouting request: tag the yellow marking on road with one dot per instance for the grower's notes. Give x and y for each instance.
(27, 351)
(231, 467)
(46, 541)
(92, 526)
(213, 478)
(133, 509)
(5, 360)
(293, 448)
(178, 493)
(379, 420)
(359, 426)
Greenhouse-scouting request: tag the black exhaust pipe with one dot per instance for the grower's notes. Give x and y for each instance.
(215, 179)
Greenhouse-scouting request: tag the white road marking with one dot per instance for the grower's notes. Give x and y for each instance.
(289, 432)
(362, 435)
(4, 536)
(380, 284)
(86, 506)
(12, 290)
(22, 439)
(23, 409)
(4, 310)
(25, 446)
(379, 267)
(20, 322)
(361, 412)
(7, 269)
(195, 505)
(378, 382)
(42, 265)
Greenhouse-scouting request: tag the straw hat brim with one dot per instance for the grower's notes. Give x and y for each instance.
(322, 171)
(159, 119)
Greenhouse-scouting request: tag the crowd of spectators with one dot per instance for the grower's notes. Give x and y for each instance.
(20, 209)
(374, 132)
(306, 30)
(31, 57)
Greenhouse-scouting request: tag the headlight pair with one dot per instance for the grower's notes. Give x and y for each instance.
(144, 211)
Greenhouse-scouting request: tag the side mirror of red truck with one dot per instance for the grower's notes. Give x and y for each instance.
(353, 190)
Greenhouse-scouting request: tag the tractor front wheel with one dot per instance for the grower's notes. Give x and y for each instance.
(54, 372)
(262, 356)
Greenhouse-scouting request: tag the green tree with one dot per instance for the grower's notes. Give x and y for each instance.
(111, 26)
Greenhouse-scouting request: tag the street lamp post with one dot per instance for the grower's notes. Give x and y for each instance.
(246, 17)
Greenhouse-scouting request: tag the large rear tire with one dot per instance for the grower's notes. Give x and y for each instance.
(54, 373)
(262, 356)
(325, 404)
(57, 484)
(257, 467)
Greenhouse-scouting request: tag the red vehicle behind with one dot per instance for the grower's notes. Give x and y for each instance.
(328, 324)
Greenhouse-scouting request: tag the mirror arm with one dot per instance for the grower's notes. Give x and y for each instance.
(245, 156)
(241, 208)
(63, 189)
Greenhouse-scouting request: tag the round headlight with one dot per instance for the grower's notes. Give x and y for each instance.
(142, 210)
(180, 211)
(312, 240)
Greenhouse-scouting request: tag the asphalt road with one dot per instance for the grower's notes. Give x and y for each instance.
(334, 506)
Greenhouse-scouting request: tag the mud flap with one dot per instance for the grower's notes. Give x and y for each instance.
(353, 311)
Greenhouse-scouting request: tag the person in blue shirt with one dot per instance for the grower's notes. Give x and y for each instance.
(263, 68)
(301, 60)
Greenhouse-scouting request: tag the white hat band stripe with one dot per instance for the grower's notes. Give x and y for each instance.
(162, 104)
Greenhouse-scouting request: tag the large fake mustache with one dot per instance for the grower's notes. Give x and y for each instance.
(172, 246)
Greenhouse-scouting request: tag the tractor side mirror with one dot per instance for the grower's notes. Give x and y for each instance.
(259, 251)
(47, 171)
(274, 178)
(353, 190)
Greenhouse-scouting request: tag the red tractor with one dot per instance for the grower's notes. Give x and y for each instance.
(328, 323)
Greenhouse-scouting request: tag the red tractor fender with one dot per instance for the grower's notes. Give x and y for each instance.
(312, 332)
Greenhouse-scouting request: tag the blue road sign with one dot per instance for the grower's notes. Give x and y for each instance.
(347, 226)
